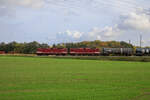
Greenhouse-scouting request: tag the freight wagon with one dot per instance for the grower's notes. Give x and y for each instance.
(142, 52)
(117, 51)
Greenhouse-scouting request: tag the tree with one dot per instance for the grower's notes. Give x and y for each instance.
(126, 45)
(43, 45)
(2, 46)
(10, 47)
(31, 47)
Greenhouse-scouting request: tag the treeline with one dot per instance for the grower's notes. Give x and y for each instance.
(95, 44)
(31, 47)
(26, 48)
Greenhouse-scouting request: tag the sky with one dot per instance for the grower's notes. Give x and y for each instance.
(57, 21)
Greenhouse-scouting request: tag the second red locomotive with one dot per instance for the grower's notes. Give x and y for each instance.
(84, 51)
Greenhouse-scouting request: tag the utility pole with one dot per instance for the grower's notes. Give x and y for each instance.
(129, 41)
(140, 41)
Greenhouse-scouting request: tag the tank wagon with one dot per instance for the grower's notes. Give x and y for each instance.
(142, 52)
(117, 51)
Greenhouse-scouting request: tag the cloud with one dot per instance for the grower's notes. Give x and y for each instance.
(74, 34)
(32, 3)
(69, 35)
(26, 3)
(100, 17)
(138, 21)
(74, 7)
(104, 33)
(134, 21)
(8, 7)
(96, 33)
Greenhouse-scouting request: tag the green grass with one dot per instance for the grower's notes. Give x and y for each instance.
(32, 78)
(108, 58)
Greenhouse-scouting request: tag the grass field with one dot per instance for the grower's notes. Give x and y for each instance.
(33, 78)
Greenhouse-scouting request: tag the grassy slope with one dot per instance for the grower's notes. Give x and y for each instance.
(29, 78)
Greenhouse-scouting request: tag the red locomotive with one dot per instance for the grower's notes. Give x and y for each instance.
(2, 52)
(51, 51)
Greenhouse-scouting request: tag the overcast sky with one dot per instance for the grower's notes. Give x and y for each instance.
(56, 21)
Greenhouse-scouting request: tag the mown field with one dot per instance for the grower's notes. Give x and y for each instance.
(33, 78)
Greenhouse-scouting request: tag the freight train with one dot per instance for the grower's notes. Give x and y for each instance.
(94, 51)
